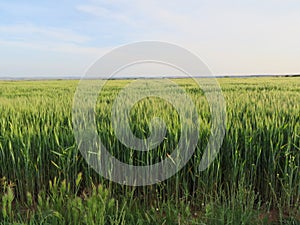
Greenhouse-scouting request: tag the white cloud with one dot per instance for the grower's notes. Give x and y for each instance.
(248, 36)
(53, 33)
(49, 39)
(54, 47)
(103, 12)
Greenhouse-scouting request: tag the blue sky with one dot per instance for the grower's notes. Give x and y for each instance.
(44, 38)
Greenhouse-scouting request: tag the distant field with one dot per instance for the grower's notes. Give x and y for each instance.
(254, 180)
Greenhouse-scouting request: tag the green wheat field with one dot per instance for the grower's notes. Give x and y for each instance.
(255, 178)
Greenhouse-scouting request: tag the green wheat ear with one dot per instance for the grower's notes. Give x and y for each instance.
(256, 171)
